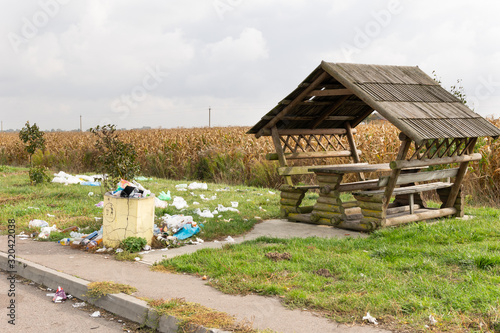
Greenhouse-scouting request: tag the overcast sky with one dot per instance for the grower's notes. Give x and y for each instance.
(164, 63)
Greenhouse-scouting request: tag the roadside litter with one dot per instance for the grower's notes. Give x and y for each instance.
(197, 186)
(59, 295)
(65, 178)
(160, 204)
(164, 196)
(38, 224)
(179, 203)
(370, 319)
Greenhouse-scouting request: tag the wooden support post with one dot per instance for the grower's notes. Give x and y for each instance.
(458, 180)
(279, 151)
(403, 150)
(352, 145)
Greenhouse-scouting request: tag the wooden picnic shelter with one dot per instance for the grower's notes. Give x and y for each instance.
(318, 120)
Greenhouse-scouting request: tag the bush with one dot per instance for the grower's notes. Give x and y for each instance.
(38, 175)
(133, 244)
(116, 159)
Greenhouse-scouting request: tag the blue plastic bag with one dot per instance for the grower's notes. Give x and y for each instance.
(186, 231)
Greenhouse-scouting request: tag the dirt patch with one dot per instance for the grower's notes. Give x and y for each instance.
(17, 198)
(276, 256)
(323, 272)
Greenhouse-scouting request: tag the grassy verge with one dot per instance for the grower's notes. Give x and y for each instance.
(449, 270)
(71, 205)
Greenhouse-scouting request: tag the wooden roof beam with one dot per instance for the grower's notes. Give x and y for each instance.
(292, 104)
(330, 92)
(334, 107)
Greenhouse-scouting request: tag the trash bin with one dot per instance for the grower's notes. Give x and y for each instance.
(127, 217)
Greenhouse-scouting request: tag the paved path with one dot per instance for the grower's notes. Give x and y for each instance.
(264, 312)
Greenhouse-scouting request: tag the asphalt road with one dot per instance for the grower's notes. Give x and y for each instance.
(35, 312)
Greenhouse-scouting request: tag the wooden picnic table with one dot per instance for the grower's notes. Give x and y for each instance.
(330, 206)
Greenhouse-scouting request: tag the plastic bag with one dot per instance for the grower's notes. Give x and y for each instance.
(187, 231)
(38, 224)
(59, 296)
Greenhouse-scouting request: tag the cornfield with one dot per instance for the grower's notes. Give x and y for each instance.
(228, 155)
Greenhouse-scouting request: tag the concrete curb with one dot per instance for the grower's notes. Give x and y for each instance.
(122, 305)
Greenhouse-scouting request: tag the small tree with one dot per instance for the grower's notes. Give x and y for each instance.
(32, 138)
(116, 159)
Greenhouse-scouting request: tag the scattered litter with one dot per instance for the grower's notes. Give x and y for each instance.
(204, 277)
(141, 178)
(59, 295)
(221, 208)
(198, 186)
(99, 204)
(181, 187)
(234, 204)
(196, 203)
(79, 305)
(216, 241)
(64, 178)
(225, 189)
(119, 250)
(271, 192)
(229, 239)
(206, 213)
(50, 215)
(229, 220)
(91, 183)
(22, 235)
(164, 196)
(70, 296)
(50, 294)
(97, 218)
(45, 231)
(33, 208)
(160, 204)
(146, 248)
(137, 258)
(95, 314)
(179, 203)
(213, 197)
(187, 231)
(432, 320)
(38, 224)
(102, 249)
(370, 318)
(199, 240)
(91, 194)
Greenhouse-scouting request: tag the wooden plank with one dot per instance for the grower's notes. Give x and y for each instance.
(403, 151)
(352, 168)
(401, 209)
(435, 161)
(309, 118)
(303, 170)
(297, 100)
(334, 107)
(410, 189)
(426, 215)
(357, 186)
(460, 176)
(310, 154)
(408, 178)
(308, 131)
(352, 145)
(330, 92)
(279, 151)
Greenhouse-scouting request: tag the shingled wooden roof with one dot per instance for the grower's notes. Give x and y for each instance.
(336, 93)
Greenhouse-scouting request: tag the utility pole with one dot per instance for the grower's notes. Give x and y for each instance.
(209, 115)
(81, 129)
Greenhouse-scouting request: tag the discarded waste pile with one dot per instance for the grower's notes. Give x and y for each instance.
(169, 230)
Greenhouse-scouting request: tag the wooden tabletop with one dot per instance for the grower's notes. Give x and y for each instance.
(353, 168)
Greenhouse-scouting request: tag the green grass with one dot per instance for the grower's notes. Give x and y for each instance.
(72, 206)
(450, 270)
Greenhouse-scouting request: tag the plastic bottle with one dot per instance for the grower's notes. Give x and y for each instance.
(65, 241)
